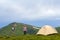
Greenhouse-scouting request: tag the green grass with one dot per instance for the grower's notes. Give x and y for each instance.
(31, 37)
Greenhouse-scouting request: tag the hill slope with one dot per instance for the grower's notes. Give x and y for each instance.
(7, 30)
(58, 29)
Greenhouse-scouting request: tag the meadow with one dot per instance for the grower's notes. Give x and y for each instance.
(31, 37)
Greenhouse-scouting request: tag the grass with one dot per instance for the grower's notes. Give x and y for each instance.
(31, 37)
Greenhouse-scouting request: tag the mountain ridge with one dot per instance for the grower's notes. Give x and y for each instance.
(18, 31)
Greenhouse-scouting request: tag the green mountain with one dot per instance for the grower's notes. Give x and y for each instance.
(7, 30)
(58, 29)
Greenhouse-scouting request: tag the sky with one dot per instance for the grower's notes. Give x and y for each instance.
(33, 12)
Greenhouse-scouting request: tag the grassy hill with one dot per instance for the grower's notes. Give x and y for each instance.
(7, 30)
(58, 29)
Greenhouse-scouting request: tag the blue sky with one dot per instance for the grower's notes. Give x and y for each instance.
(33, 12)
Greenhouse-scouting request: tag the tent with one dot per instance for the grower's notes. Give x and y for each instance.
(46, 30)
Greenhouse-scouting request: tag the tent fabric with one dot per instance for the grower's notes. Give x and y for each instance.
(46, 30)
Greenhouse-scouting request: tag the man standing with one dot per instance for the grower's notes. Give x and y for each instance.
(13, 27)
(25, 30)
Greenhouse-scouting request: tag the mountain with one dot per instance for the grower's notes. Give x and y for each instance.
(7, 30)
(58, 29)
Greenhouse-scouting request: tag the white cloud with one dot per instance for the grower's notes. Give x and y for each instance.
(27, 11)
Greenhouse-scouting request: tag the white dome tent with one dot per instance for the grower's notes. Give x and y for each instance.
(46, 30)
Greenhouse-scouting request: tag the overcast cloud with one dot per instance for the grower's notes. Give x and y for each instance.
(13, 10)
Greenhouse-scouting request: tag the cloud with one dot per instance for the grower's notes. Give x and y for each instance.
(29, 10)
